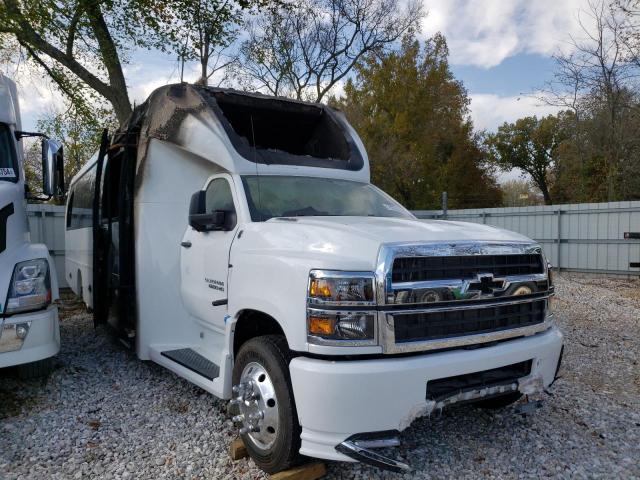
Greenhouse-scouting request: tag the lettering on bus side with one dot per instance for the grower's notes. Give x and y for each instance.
(215, 284)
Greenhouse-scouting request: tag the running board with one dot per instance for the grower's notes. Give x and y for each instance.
(192, 360)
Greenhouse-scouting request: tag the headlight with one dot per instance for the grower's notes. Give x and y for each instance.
(340, 288)
(342, 324)
(30, 287)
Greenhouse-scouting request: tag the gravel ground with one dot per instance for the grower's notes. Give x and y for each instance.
(105, 414)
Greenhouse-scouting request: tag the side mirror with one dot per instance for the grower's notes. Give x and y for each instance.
(52, 168)
(207, 222)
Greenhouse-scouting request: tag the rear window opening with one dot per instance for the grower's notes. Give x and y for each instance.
(272, 130)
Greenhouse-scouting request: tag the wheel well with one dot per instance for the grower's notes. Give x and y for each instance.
(251, 324)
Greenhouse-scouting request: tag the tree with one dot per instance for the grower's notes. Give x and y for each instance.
(529, 144)
(82, 45)
(80, 133)
(413, 118)
(305, 48)
(208, 28)
(519, 193)
(596, 80)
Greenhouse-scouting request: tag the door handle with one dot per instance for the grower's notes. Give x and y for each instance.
(186, 244)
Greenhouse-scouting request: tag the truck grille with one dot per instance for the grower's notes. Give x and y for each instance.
(423, 326)
(418, 269)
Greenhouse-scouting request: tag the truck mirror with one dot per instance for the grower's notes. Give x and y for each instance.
(52, 168)
(198, 204)
(201, 221)
(208, 222)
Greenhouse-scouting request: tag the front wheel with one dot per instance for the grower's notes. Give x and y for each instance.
(264, 403)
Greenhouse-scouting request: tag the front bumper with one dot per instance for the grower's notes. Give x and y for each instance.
(337, 399)
(42, 340)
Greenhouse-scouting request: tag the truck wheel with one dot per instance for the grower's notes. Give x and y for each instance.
(502, 401)
(38, 369)
(263, 397)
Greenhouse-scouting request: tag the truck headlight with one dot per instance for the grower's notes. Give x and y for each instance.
(331, 318)
(327, 287)
(341, 325)
(30, 287)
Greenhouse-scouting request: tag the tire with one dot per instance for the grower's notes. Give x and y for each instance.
(272, 353)
(497, 403)
(41, 368)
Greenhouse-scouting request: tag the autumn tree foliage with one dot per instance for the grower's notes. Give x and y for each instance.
(412, 116)
(529, 144)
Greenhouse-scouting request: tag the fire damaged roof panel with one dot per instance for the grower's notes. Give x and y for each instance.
(273, 130)
(261, 129)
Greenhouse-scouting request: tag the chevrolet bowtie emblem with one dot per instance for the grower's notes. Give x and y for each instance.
(485, 284)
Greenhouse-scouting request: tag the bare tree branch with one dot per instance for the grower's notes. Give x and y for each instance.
(304, 51)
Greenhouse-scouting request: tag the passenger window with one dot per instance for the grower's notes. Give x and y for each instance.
(219, 196)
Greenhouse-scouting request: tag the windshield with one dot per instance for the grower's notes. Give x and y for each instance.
(280, 196)
(7, 154)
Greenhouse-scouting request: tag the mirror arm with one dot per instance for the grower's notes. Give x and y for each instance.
(20, 134)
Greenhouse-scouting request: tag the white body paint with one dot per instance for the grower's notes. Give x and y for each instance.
(43, 338)
(264, 266)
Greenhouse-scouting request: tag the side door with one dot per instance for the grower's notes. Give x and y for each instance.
(204, 261)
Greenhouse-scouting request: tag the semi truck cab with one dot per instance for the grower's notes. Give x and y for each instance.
(29, 332)
(236, 239)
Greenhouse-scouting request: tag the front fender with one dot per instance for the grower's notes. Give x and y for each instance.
(274, 287)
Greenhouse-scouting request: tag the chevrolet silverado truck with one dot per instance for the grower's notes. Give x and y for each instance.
(235, 239)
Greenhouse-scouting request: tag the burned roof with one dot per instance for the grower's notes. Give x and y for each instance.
(262, 129)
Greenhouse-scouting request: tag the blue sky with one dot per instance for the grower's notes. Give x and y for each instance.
(500, 49)
(517, 75)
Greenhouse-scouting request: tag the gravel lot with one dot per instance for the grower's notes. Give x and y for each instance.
(105, 414)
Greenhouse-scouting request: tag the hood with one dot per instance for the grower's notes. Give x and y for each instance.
(391, 230)
(354, 242)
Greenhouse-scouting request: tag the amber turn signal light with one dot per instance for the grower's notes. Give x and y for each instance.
(321, 325)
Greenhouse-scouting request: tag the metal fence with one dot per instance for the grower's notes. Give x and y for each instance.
(586, 237)
(46, 225)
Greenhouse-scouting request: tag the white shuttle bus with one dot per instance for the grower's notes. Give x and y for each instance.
(29, 332)
(236, 240)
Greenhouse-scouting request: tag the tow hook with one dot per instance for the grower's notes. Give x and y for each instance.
(360, 447)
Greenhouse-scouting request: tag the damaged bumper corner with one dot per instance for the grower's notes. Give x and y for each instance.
(338, 399)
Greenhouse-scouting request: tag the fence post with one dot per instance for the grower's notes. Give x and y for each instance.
(558, 214)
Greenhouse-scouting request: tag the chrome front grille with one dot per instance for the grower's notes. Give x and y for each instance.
(441, 324)
(420, 269)
(436, 295)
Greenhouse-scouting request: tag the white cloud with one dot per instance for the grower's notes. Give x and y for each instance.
(489, 111)
(485, 32)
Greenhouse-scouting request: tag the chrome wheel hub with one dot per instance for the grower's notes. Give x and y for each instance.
(255, 397)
